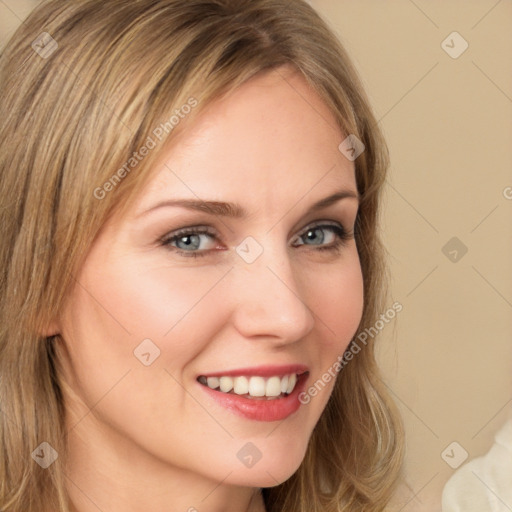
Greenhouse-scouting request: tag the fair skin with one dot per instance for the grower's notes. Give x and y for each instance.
(150, 437)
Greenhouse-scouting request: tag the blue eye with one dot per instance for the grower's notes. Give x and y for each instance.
(339, 235)
(187, 241)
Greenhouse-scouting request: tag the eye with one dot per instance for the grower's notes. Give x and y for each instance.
(187, 241)
(336, 237)
(191, 242)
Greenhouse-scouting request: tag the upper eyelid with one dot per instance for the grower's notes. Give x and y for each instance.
(323, 223)
(207, 230)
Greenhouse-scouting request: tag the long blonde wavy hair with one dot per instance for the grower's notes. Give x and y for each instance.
(71, 117)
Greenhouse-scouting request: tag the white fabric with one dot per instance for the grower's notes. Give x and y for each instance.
(485, 483)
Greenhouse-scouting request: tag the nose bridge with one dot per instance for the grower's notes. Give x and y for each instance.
(270, 300)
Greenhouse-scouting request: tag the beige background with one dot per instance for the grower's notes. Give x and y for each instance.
(448, 122)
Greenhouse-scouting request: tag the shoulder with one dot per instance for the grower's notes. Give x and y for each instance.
(485, 483)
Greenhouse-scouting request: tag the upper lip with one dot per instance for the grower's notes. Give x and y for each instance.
(261, 371)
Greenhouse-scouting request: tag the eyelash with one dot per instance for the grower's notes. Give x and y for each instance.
(343, 236)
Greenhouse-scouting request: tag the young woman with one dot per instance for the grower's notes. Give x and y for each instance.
(190, 255)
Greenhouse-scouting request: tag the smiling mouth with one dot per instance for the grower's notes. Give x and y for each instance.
(253, 387)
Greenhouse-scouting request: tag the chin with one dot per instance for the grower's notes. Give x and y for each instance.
(263, 478)
(269, 473)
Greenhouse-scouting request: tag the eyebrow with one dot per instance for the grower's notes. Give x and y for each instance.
(236, 211)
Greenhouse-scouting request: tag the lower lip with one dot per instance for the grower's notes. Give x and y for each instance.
(261, 409)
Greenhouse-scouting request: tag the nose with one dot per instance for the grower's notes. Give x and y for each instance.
(270, 301)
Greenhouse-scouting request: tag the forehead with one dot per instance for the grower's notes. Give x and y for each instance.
(271, 137)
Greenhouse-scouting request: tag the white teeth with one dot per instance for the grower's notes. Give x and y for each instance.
(241, 385)
(284, 384)
(291, 383)
(273, 387)
(213, 382)
(253, 386)
(226, 384)
(257, 386)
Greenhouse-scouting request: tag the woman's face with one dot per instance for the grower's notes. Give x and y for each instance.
(172, 294)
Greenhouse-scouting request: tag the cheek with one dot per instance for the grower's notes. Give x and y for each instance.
(339, 301)
(157, 302)
(115, 311)
(154, 302)
(180, 309)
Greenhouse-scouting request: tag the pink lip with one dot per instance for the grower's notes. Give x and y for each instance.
(260, 409)
(262, 371)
